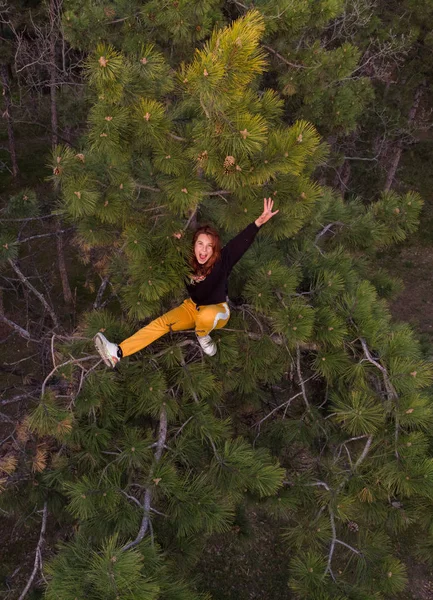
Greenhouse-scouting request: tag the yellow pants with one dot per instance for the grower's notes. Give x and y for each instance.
(186, 316)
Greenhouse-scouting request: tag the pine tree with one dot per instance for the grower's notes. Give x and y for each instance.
(146, 459)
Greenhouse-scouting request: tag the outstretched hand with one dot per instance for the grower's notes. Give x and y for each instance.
(267, 213)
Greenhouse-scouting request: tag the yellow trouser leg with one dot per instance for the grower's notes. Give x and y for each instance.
(178, 319)
(212, 316)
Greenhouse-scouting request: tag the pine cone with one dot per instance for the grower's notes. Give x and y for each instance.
(352, 526)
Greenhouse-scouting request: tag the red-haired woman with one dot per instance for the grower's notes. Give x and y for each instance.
(206, 308)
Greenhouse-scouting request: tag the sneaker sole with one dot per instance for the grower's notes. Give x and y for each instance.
(212, 353)
(100, 347)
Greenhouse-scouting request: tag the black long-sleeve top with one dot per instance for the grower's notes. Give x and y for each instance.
(214, 289)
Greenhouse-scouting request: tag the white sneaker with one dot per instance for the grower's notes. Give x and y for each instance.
(207, 345)
(109, 352)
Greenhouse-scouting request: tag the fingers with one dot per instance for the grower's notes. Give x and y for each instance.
(268, 204)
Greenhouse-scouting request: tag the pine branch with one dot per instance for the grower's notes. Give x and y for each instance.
(146, 506)
(287, 62)
(22, 332)
(177, 137)
(334, 541)
(388, 385)
(182, 427)
(44, 235)
(364, 452)
(26, 219)
(40, 297)
(391, 391)
(326, 229)
(332, 546)
(217, 193)
(354, 550)
(68, 362)
(38, 554)
(286, 403)
(300, 379)
(15, 399)
(100, 293)
(277, 339)
(140, 186)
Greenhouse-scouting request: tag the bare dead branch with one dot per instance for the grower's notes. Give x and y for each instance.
(300, 379)
(40, 297)
(68, 362)
(332, 546)
(101, 291)
(22, 332)
(287, 62)
(38, 554)
(284, 404)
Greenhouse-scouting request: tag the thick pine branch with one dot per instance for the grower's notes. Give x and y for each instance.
(147, 501)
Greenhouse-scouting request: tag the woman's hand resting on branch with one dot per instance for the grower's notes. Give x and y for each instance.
(267, 213)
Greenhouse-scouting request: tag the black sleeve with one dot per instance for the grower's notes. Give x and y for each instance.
(236, 248)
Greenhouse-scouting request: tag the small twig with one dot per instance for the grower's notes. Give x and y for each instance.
(301, 381)
(23, 332)
(133, 498)
(354, 550)
(68, 362)
(326, 229)
(43, 235)
(52, 350)
(146, 187)
(101, 291)
(332, 546)
(40, 297)
(287, 402)
(184, 425)
(364, 452)
(177, 137)
(217, 193)
(287, 62)
(38, 555)
(15, 399)
(29, 219)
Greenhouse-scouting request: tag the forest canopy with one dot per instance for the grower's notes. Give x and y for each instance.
(126, 124)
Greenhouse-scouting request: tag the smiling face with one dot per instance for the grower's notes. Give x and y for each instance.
(203, 248)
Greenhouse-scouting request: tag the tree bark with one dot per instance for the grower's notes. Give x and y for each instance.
(54, 13)
(8, 116)
(398, 148)
(67, 293)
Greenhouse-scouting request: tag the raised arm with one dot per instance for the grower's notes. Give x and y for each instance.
(236, 248)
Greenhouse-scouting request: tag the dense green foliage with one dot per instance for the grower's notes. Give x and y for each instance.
(190, 121)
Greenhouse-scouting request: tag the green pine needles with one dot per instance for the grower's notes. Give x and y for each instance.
(316, 406)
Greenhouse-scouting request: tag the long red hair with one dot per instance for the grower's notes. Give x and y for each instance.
(204, 270)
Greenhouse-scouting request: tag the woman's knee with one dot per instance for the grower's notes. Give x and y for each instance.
(212, 317)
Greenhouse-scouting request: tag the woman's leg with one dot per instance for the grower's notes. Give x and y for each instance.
(212, 316)
(178, 319)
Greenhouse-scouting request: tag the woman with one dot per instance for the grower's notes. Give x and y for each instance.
(206, 309)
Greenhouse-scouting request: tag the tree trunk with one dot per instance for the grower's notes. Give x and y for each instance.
(8, 116)
(398, 149)
(54, 31)
(67, 294)
(55, 8)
